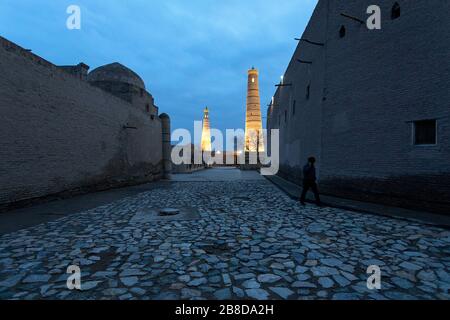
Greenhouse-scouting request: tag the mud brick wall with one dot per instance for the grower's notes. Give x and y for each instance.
(60, 135)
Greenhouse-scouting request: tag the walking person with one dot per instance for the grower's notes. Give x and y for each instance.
(309, 181)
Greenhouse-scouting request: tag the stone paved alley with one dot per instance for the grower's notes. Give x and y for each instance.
(237, 236)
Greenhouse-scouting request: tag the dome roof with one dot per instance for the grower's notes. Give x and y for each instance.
(116, 72)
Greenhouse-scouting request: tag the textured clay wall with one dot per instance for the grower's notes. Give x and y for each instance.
(296, 112)
(378, 82)
(375, 83)
(61, 135)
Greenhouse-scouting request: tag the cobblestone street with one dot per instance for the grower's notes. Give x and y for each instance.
(238, 237)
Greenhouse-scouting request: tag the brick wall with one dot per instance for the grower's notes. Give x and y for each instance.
(366, 89)
(60, 135)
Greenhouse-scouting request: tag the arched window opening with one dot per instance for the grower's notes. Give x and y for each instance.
(396, 11)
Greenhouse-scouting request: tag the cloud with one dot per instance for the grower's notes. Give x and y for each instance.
(190, 53)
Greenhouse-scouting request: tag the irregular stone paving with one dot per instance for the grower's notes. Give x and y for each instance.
(251, 242)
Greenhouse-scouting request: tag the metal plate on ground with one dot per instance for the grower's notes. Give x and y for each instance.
(165, 214)
(169, 212)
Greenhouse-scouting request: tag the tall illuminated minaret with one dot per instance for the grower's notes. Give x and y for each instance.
(206, 132)
(253, 123)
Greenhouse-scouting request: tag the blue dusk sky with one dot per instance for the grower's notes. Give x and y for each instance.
(190, 53)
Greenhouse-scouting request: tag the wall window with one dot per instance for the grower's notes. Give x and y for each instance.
(396, 11)
(147, 107)
(293, 108)
(342, 32)
(308, 91)
(142, 92)
(425, 132)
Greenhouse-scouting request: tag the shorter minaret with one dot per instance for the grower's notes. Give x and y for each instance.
(206, 132)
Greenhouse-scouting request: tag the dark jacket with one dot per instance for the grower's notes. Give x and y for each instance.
(309, 173)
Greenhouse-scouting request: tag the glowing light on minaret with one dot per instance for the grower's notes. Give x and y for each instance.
(253, 123)
(206, 132)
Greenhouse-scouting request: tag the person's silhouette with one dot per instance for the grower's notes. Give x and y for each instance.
(309, 181)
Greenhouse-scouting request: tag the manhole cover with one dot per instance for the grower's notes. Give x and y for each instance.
(164, 214)
(169, 212)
